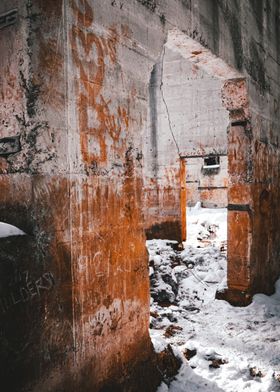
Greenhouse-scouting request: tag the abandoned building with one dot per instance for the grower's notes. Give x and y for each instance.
(116, 117)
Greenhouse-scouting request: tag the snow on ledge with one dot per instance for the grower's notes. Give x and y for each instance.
(7, 230)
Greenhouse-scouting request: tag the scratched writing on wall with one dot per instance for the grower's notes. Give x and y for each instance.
(9, 18)
(27, 290)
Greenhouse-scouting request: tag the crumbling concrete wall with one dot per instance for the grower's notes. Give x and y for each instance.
(74, 88)
(109, 260)
(78, 285)
(254, 112)
(36, 319)
(187, 120)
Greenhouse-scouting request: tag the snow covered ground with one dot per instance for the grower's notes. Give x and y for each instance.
(223, 348)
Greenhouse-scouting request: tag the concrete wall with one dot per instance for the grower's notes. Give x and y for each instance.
(78, 285)
(187, 119)
(74, 87)
(36, 319)
(208, 186)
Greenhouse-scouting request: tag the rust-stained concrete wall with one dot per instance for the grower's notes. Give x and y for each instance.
(75, 293)
(109, 261)
(74, 87)
(36, 320)
(187, 120)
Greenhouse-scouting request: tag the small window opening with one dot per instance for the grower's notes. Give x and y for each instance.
(211, 162)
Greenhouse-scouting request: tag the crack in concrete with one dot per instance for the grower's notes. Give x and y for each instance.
(165, 103)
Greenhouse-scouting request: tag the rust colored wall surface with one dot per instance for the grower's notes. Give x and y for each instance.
(162, 201)
(74, 104)
(78, 284)
(253, 189)
(109, 258)
(36, 293)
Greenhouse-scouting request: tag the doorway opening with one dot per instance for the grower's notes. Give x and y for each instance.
(187, 157)
(194, 180)
(207, 198)
(191, 171)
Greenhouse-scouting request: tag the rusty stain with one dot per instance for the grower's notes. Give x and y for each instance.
(239, 233)
(109, 254)
(86, 228)
(90, 98)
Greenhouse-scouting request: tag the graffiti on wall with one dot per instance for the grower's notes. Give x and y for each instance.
(9, 18)
(99, 125)
(23, 288)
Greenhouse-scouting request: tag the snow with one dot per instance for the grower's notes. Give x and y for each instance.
(7, 230)
(198, 220)
(237, 349)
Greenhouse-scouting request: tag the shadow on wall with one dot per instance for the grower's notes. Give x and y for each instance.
(26, 285)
